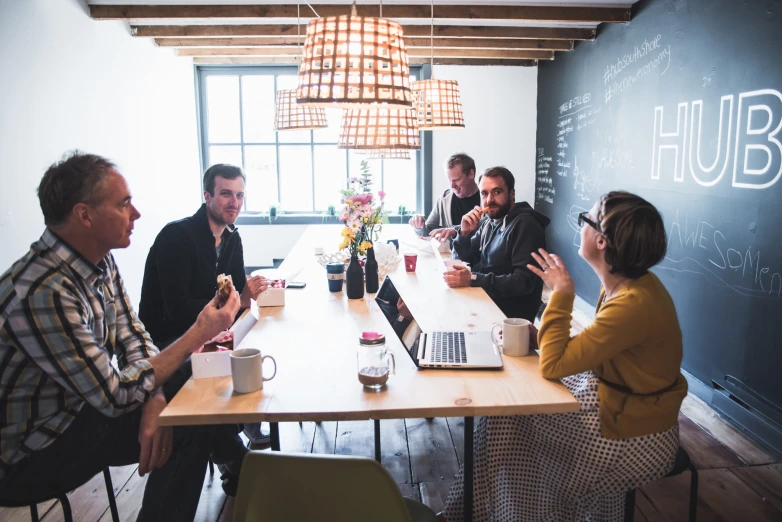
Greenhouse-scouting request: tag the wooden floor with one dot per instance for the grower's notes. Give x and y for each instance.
(739, 480)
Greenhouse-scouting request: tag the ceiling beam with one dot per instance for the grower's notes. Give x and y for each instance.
(418, 53)
(411, 31)
(483, 12)
(276, 60)
(411, 43)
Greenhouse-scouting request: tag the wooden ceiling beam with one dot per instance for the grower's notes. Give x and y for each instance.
(482, 12)
(411, 31)
(412, 43)
(277, 60)
(419, 53)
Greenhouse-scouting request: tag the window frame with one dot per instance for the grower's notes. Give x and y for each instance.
(422, 156)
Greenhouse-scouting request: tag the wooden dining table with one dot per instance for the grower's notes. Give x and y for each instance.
(314, 339)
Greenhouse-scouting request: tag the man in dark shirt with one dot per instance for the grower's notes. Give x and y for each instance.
(181, 271)
(458, 200)
(499, 244)
(181, 274)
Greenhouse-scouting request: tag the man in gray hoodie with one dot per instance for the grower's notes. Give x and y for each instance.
(455, 202)
(498, 242)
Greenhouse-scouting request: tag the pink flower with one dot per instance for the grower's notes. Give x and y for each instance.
(381, 194)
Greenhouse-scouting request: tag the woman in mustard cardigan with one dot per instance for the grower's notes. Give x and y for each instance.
(624, 370)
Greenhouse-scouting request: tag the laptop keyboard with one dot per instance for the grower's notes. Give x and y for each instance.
(448, 347)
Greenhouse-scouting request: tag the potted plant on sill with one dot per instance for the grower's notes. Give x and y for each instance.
(275, 209)
(331, 211)
(402, 210)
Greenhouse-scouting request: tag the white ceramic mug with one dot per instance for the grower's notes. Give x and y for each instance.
(515, 337)
(247, 370)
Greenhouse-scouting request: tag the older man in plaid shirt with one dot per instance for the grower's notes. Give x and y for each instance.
(66, 411)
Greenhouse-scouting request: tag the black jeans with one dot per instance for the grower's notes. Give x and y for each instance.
(94, 441)
(228, 449)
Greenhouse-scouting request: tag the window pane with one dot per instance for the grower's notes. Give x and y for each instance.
(296, 177)
(399, 183)
(261, 172)
(291, 136)
(330, 134)
(330, 175)
(258, 108)
(230, 154)
(222, 107)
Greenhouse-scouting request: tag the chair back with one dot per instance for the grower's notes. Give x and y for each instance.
(277, 486)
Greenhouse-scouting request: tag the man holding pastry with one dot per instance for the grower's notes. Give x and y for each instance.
(189, 261)
(498, 241)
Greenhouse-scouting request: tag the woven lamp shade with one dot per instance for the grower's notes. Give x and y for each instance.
(354, 62)
(388, 154)
(379, 129)
(289, 115)
(438, 104)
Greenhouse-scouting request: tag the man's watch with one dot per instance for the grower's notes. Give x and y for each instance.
(473, 277)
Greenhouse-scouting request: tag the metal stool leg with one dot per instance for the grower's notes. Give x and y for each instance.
(629, 506)
(110, 493)
(693, 492)
(34, 513)
(66, 507)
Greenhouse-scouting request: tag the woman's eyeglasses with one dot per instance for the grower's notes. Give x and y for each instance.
(583, 218)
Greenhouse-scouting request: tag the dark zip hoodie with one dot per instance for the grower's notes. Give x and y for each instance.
(180, 275)
(498, 253)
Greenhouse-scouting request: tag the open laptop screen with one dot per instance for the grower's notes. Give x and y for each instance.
(400, 318)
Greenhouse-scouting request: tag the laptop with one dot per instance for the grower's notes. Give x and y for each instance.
(454, 350)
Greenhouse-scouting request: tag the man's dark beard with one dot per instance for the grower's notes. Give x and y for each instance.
(502, 210)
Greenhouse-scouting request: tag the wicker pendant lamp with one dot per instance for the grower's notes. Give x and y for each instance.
(289, 115)
(354, 61)
(383, 128)
(438, 104)
(388, 154)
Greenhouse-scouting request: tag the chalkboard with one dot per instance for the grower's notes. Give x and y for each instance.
(682, 106)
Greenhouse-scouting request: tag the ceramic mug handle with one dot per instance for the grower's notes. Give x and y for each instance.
(275, 367)
(494, 338)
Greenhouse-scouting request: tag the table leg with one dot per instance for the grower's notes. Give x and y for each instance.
(275, 435)
(377, 440)
(468, 468)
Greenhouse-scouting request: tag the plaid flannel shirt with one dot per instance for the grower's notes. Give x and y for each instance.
(62, 319)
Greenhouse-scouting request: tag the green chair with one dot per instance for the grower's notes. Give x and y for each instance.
(280, 487)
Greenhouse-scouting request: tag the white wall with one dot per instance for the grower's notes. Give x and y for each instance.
(70, 82)
(500, 117)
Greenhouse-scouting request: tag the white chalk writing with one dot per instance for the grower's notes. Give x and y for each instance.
(695, 246)
(757, 153)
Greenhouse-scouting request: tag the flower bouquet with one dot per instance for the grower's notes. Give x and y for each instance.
(363, 216)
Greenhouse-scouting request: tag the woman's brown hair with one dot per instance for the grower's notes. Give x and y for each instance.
(634, 232)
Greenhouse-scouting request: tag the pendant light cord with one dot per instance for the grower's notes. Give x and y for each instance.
(431, 44)
(298, 29)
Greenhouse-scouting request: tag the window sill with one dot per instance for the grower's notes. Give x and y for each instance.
(304, 219)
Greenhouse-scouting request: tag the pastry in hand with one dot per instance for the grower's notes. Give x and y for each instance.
(224, 286)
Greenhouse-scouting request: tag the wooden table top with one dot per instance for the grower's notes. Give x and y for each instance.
(314, 340)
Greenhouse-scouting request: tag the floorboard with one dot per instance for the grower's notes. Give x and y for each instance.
(431, 449)
(744, 447)
(704, 450)
(739, 480)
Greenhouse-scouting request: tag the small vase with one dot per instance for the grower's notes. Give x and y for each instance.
(354, 279)
(370, 270)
